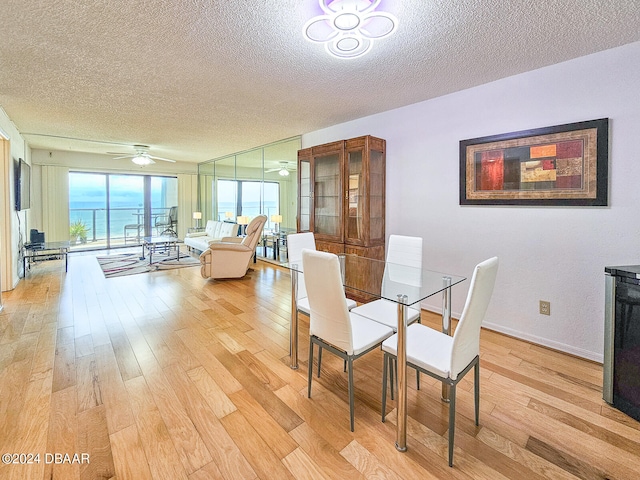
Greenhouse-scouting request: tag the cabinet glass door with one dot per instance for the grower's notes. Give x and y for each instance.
(327, 195)
(305, 195)
(355, 197)
(376, 195)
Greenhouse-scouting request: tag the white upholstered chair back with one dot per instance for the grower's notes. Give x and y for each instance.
(466, 339)
(329, 318)
(253, 232)
(404, 265)
(296, 242)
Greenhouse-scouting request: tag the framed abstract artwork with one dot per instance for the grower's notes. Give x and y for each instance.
(561, 165)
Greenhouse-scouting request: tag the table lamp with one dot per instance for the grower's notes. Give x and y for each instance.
(228, 216)
(242, 220)
(197, 216)
(276, 219)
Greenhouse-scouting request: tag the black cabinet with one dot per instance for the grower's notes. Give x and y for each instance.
(622, 339)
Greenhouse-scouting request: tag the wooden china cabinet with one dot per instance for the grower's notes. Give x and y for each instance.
(341, 196)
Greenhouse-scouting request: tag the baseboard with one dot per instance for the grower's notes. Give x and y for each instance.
(544, 342)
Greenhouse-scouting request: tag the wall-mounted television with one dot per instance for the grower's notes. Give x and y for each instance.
(23, 184)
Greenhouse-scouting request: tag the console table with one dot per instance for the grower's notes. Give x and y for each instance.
(35, 252)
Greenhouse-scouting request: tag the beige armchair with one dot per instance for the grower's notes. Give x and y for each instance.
(230, 257)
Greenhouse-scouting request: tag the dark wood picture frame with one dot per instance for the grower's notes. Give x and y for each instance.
(563, 165)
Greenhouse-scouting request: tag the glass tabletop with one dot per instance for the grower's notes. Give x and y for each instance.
(160, 239)
(388, 280)
(47, 245)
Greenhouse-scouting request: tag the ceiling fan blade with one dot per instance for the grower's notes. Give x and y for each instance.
(123, 156)
(163, 159)
(272, 170)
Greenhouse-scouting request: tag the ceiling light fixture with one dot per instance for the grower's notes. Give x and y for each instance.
(349, 27)
(283, 172)
(142, 159)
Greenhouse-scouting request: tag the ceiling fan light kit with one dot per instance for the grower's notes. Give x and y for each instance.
(349, 27)
(142, 160)
(141, 156)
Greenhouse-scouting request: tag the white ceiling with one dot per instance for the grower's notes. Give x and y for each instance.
(198, 79)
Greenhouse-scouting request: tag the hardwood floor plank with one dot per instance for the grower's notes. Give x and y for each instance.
(257, 452)
(127, 362)
(93, 439)
(63, 434)
(277, 409)
(270, 431)
(186, 439)
(226, 455)
(129, 459)
(257, 368)
(335, 464)
(212, 365)
(282, 369)
(112, 390)
(573, 443)
(64, 369)
(302, 466)
(367, 464)
(218, 401)
(209, 472)
(164, 461)
(87, 384)
(585, 426)
(31, 437)
(84, 346)
(523, 456)
(325, 425)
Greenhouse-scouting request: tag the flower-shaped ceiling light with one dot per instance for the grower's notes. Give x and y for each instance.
(349, 27)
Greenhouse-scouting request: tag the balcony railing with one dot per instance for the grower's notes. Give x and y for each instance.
(95, 220)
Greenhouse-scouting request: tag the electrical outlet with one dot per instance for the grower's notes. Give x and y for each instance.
(545, 308)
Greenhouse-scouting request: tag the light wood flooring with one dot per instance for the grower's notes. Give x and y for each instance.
(169, 376)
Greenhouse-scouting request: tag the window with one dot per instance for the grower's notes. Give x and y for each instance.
(247, 197)
(115, 210)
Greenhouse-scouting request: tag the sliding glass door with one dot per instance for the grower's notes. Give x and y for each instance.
(125, 209)
(110, 210)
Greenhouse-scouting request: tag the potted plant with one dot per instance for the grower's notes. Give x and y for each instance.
(78, 230)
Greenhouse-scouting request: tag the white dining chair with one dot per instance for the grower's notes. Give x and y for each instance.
(296, 242)
(331, 325)
(402, 270)
(447, 358)
(403, 267)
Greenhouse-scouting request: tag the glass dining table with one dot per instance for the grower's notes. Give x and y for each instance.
(401, 284)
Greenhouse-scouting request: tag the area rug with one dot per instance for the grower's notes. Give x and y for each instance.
(130, 263)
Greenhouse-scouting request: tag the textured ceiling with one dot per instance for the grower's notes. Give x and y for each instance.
(198, 79)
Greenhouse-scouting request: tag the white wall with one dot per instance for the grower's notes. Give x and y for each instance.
(12, 224)
(546, 253)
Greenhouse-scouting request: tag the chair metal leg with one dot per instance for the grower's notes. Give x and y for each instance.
(392, 381)
(452, 420)
(310, 367)
(418, 371)
(385, 365)
(351, 402)
(319, 358)
(476, 382)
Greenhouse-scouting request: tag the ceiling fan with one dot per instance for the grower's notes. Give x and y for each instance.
(141, 156)
(283, 169)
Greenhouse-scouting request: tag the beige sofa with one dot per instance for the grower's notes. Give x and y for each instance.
(214, 232)
(230, 257)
